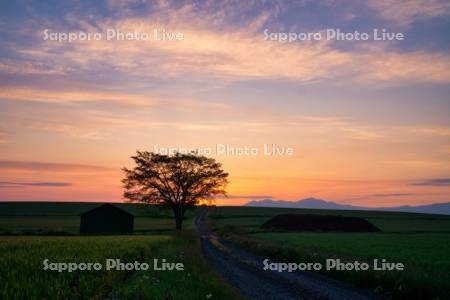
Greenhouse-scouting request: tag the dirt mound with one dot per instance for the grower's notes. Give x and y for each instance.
(299, 222)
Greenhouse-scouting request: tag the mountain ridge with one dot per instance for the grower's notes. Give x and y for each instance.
(314, 203)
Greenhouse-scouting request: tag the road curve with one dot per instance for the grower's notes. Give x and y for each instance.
(244, 271)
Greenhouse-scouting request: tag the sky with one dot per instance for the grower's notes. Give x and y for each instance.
(368, 121)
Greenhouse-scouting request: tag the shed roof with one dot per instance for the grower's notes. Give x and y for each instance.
(106, 205)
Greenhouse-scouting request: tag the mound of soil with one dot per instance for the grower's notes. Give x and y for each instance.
(300, 222)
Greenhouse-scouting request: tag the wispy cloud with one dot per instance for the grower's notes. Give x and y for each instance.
(347, 127)
(67, 96)
(432, 131)
(417, 163)
(5, 184)
(48, 166)
(30, 68)
(215, 49)
(392, 195)
(406, 12)
(3, 138)
(232, 196)
(434, 182)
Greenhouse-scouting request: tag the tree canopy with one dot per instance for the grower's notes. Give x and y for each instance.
(179, 181)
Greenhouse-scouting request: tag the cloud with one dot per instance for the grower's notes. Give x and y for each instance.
(105, 126)
(351, 129)
(392, 195)
(46, 166)
(214, 49)
(68, 96)
(383, 66)
(30, 68)
(244, 197)
(434, 182)
(100, 120)
(417, 163)
(406, 12)
(3, 138)
(433, 131)
(106, 123)
(5, 184)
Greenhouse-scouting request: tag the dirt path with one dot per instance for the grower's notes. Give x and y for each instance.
(244, 270)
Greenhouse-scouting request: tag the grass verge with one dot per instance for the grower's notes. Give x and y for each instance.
(197, 281)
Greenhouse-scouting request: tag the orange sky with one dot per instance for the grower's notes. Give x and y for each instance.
(368, 122)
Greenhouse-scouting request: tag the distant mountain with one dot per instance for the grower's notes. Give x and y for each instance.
(305, 203)
(313, 203)
(436, 208)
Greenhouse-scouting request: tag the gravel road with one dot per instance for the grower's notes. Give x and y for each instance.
(244, 271)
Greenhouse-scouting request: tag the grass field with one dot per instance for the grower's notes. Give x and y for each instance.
(69, 225)
(21, 263)
(249, 219)
(35, 231)
(64, 218)
(22, 275)
(72, 208)
(420, 241)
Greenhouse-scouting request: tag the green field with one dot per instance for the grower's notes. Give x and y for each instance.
(22, 259)
(249, 219)
(64, 218)
(70, 225)
(33, 231)
(72, 208)
(420, 241)
(22, 275)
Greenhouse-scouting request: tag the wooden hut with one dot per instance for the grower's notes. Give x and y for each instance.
(106, 219)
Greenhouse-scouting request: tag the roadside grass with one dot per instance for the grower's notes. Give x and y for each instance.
(197, 281)
(420, 241)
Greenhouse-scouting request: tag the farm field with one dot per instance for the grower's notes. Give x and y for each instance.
(71, 208)
(420, 241)
(69, 225)
(63, 218)
(249, 219)
(30, 233)
(22, 263)
(22, 275)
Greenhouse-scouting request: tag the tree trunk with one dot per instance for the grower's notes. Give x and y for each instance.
(179, 222)
(178, 218)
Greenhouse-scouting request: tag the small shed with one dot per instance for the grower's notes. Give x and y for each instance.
(106, 219)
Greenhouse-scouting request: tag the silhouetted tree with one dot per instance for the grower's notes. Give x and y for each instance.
(179, 181)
